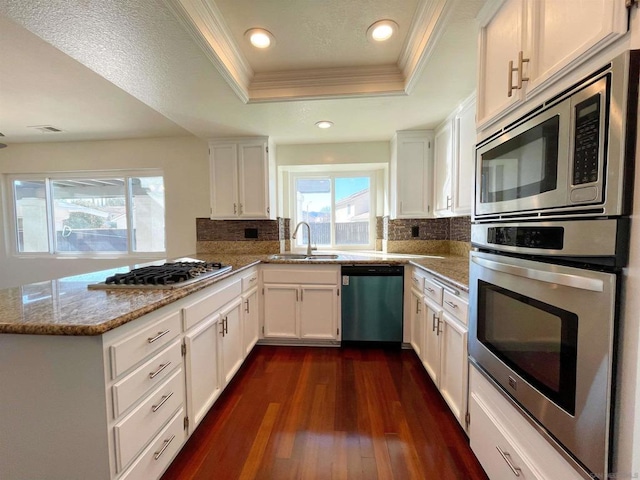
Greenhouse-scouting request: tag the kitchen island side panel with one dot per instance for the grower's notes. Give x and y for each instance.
(53, 413)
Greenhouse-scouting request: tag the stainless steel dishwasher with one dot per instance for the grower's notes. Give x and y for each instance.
(372, 305)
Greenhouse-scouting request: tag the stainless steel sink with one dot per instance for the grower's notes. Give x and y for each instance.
(300, 256)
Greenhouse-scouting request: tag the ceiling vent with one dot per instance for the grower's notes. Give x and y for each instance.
(45, 128)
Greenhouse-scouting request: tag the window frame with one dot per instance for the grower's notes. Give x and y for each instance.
(49, 178)
(332, 175)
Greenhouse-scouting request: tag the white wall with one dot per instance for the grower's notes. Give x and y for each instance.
(333, 153)
(184, 161)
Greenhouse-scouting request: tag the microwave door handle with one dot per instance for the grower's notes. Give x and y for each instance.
(573, 281)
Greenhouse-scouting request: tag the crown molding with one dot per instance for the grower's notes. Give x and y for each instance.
(204, 21)
(427, 28)
(327, 83)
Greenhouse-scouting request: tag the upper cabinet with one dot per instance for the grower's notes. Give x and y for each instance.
(411, 179)
(242, 175)
(453, 164)
(526, 45)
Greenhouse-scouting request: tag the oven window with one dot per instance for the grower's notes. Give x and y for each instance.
(538, 341)
(524, 166)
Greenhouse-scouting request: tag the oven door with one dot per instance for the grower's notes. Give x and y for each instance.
(545, 334)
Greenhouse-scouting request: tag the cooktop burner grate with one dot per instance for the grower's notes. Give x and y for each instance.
(168, 275)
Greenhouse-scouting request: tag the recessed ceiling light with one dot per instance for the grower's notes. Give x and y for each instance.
(382, 30)
(259, 37)
(324, 124)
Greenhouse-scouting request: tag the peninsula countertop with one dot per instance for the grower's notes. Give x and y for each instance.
(66, 306)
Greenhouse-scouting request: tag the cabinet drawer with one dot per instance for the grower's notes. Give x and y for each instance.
(456, 306)
(215, 300)
(136, 347)
(157, 456)
(497, 455)
(141, 425)
(313, 276)
(128, 390)
(250, 281)
(417, 280)
(433, 291)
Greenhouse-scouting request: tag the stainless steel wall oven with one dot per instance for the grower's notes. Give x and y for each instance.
(550, 234)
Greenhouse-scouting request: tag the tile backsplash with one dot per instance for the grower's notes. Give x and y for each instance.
(419, 236)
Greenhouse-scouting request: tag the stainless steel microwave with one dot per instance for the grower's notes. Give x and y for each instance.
(572, 155)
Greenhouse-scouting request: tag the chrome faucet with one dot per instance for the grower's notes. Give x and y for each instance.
(295, 232)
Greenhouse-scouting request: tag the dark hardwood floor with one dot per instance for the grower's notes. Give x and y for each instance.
(328, 413)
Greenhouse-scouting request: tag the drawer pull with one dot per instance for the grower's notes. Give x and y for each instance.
(165, 444)
(155, 408)
(429, 289)
(507, 458)
(159, 335)
(253, 279)
(160, 369)
(451, 304)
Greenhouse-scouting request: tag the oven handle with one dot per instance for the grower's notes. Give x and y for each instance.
(573, 281)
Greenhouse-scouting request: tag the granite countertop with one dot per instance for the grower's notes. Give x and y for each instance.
(67, 306)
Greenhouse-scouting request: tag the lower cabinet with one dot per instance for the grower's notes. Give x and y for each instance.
(231, 340)
(250, 320)
(417, 317)
(202, 368)
(444, 354)
(301, 303)
(504, 441)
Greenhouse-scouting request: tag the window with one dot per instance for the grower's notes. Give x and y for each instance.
(116, 213)
(338, 209)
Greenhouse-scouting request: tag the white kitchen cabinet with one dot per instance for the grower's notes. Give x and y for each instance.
(411, 174)
(445, 349)
(232, 348)
(526, 45)
(416, 312)
(242, 176)
(443, 168)
(464, 154)
(301, 303)
(454, 160)
(211, 354)
(250, 310)
(505, 442)
(204, 383)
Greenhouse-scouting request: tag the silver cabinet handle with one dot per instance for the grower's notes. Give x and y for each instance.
(519, 69)
(449, 202)
(446, 287)
(429, 289)
(507, 458)
(297, 300)
(155, 408)
(226, 325)
(418, 306)
(165, 444)
(438, 332)
(451, 304)
(235, 208)
(433, 323)
(247, 304)
(160, 369)
(240, 209)
(160, 334)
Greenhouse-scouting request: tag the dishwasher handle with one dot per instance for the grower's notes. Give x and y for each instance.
(369, 270)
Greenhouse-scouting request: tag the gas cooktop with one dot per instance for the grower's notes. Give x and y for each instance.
(167, 276)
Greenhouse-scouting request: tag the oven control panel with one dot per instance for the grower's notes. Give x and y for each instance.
(548, 238)
(587, 141)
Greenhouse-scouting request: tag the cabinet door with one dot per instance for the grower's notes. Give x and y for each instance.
(202, 373)
(223, 169)
(453, 367)
(417, 323)
(253, 177)
(501, 39)
(280, 310)
(318, 312)
(231, 340)
(413, 177)
(250, 326)
(431, 353)
(465, 156)
(442, 169)
(565, 34)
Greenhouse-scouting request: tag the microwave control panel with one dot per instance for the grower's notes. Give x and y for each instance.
(587, 141)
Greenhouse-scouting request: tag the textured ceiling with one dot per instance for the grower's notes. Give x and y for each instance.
(140, 64)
